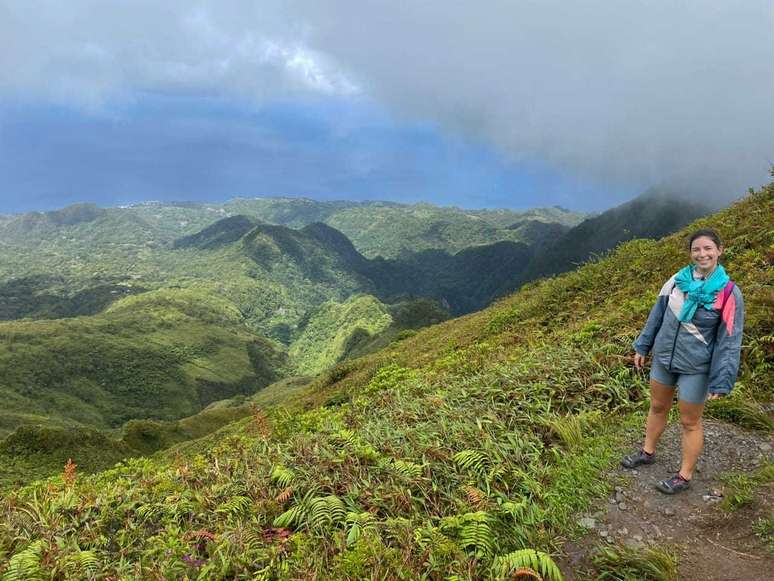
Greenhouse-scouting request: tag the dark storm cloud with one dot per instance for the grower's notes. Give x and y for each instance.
(675, 92)
(631, 93)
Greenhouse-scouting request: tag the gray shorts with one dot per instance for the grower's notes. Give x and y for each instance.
(691, 388)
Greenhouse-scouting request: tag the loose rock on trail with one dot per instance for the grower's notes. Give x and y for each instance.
(712, 544)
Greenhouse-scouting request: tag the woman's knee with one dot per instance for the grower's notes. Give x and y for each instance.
(690, 422)
(690, 415)
(659, 408)
(661, 397)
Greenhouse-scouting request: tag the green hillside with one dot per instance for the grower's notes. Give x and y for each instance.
(332, 327)
(651, 215)
(442, 456)
(164, 354)
(362, 324)
(394, 230)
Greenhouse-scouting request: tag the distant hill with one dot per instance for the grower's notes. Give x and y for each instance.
(394, 230)
(163, 354)
(468, 450)
(653, 214)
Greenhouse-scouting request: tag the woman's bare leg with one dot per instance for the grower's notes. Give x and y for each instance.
(693, 436)
(661, 397)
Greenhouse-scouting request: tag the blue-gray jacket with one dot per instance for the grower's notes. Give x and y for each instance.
(709, 343)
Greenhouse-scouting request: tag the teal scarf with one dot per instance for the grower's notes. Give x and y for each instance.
(699, 292)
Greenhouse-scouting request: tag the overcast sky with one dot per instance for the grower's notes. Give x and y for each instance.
(501, 103)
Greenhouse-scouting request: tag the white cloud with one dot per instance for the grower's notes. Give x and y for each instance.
(638, 92)
(82, 52)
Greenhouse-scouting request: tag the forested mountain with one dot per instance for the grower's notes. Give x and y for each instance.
(651, 215)
(459, 451)
(154, 312)
(395, 230)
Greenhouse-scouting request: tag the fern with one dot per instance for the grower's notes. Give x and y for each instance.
(408, 470)
(475, 497)
(293, 517)
(82, 563)
(346, 438)
(25, 566)
(473, 531)
(282, 475)
(358, 523)
(472, 460)
(537, 561)
(477, 534)
(325, 511)
(315, 513)
(284, 495)
(235, 506)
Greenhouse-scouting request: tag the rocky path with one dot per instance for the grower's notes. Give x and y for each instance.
(712, 544)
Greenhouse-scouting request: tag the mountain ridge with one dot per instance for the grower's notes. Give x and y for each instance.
(456, 451)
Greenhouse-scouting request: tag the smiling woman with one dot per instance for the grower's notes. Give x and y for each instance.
(695, 333)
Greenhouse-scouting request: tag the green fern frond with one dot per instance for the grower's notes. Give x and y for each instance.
(477, 534)
(292, 517)
(25, 565)
(235, 506)
(88, 561)
(359, 522)
(408, 470)
(149, 511)
(326, 511)
(282, 475)
(472, 460)
(527, 558)
(346, 438)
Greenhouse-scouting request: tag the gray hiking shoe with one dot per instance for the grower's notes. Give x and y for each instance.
(637, 459)
(673, 485)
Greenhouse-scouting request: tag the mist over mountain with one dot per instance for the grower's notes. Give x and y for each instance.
(652, 214)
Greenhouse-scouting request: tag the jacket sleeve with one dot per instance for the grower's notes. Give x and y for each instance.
(644, 342)
(724, 365)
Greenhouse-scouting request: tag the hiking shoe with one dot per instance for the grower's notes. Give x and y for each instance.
(638, 458)
(673, 485)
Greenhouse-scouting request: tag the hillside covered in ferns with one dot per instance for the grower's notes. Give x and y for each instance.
(464, 451)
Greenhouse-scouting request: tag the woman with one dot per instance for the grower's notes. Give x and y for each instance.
(695, 333)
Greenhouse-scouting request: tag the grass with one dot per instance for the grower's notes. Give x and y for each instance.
(739, 489)
(764, 530)
(436, 457)
(623, 563)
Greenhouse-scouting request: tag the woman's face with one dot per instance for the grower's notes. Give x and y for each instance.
(705, 254)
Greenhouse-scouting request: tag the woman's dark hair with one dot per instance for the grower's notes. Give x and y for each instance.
(709, 233)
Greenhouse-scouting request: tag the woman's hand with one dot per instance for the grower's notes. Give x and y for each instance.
(639, 361)
(715, 396)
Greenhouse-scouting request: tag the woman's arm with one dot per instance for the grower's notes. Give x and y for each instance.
(644, 342)
(724, 365)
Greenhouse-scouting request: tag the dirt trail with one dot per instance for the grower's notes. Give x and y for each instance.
(712, 544)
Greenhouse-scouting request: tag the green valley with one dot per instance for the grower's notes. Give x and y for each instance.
(464, 450)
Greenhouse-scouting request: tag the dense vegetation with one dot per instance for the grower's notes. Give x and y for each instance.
(460, 452)
(651, 215)
(395, 230)
(163, 354)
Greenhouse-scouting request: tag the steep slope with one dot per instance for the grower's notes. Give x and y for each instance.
(651, 215)
(445, 454)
